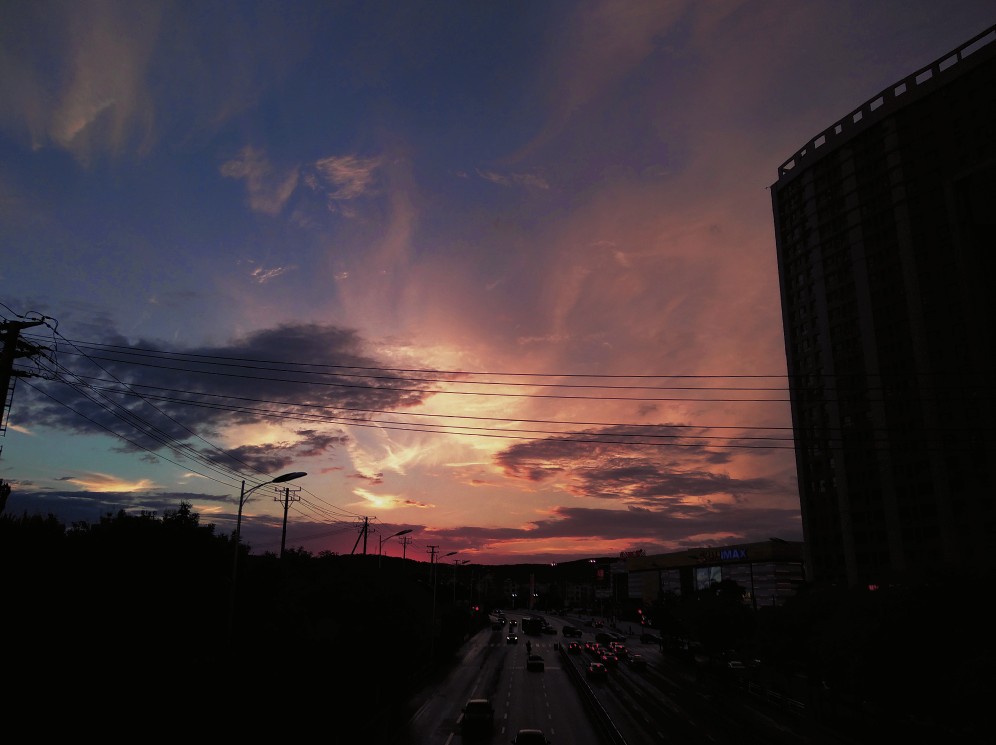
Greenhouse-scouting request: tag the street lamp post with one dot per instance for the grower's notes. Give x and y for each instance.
(432, 627)
(380, 547)
(456, 563)
(243, 498)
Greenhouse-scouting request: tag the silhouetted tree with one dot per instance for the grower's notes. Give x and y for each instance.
(4, 494)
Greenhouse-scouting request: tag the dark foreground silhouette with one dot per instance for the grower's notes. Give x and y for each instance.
(132, 615)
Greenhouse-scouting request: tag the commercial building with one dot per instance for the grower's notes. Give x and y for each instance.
(770, 572)
(885, 231)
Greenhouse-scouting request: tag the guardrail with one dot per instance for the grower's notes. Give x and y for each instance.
(593, 706)
(774, 697)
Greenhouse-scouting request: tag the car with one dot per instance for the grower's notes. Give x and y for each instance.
(512, 623)
(574, 647)
(597, 671)
(549, 629)
(650, 638)
(530, 737)
(571, 631)
(512, 639)
(609, 658)
(534, 663)
(478, 718)
(636, 661)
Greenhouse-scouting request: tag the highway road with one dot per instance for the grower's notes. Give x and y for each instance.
(670, 701)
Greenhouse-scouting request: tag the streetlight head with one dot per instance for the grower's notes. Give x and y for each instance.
(451, 553)
(288, 477)
(403, 532)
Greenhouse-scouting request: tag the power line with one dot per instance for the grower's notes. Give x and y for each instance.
(140, 424)
(225, 363)
(440, 391)
(101, 389)
(420, 414)
(470, 430)
(225, 359)
(160, 411)
(116, 434)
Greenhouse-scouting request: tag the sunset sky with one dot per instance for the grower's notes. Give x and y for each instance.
(500, 273)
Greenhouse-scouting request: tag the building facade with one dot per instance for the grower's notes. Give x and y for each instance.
(886, 248)
(769, 572)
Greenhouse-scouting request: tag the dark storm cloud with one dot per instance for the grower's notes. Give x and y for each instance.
(313, 442)
(267, 458)
(273, 457)
(312, 373)
(683, 442)
(669, 525)
(641, 474)
(671, 528)
(666, 525)
(370, 478)
(647, 484)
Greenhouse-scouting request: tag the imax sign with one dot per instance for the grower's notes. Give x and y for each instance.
(721, 554)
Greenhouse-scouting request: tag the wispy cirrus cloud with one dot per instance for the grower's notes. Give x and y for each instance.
(268, 186)
(262, 276)
(342, 178)
(388, 501)
(533, 180)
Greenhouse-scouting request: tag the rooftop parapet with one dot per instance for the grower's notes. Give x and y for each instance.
(895, 96)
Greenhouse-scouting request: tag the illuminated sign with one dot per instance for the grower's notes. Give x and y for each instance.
(722, 554)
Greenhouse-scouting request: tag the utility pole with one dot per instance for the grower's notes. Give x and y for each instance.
(432, 563)
(432, 626)
(13, 347)
(287, 501)
(405, 540)
(363, 535)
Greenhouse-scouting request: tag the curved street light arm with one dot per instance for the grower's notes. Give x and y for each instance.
(243, 498)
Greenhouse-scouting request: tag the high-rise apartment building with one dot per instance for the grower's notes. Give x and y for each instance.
(885, 230)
